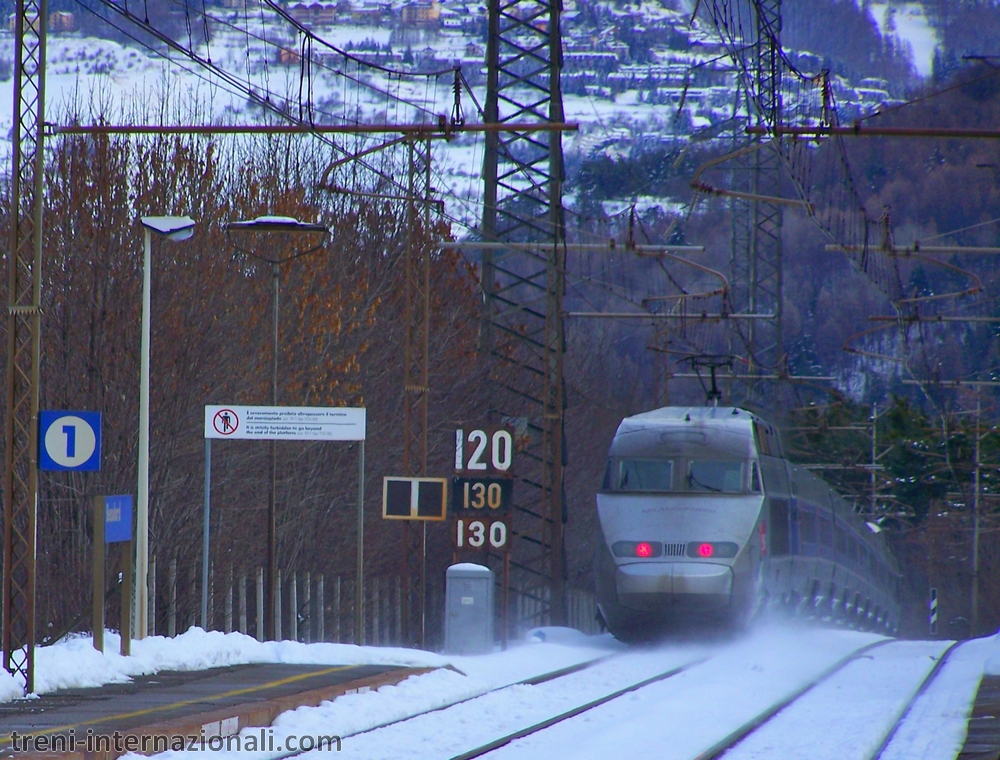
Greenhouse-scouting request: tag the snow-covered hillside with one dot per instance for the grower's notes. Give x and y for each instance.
(676, 82)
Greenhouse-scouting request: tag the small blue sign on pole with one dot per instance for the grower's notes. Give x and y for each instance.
(69, 441)
(117, 518)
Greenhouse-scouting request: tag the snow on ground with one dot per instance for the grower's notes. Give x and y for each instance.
(849, 715)
(74, 663)
(500, 713)
(909, 23)
(935, 727)
(685, 715)
(732, 680)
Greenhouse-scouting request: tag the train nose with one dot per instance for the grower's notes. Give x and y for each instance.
(689, 585)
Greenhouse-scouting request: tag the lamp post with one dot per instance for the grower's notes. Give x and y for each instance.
(268, 224)
(172, 228)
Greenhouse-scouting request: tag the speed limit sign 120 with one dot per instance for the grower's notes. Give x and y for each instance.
(488, 533)
(484, 451)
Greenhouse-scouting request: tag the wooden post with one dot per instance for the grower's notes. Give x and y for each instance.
(505, 597)
(98, 556)
(243, 602)
(436, 601)
(307, 632)
(293, 605)
(228, 609)
(398, 607)
(126, 617)
(336, 609)
(320, 610)
(387, 612)
(277, 605)
(151, 596)
(260, 604)
(172, 598)
(376, 612)
(193, 594)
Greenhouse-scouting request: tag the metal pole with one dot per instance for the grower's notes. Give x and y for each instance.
(128, 550)
(423, 584)
(205, 522)
(975, 529)
(874, 455)
(359, 598)
(269, 605)
(25, 203)
(142, 502)
(97, 549)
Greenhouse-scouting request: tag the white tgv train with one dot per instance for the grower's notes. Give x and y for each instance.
(702, 519)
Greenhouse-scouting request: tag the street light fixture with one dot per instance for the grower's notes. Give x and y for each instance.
(267, 224)
(174, 228)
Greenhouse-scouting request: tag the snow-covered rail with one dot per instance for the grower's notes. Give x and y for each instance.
(536, 680)
(732, 739)
(700, 711)
(850, 711)
(928, 680)
(780, 691)
(719, 748)
(571, 713)
(504, 712)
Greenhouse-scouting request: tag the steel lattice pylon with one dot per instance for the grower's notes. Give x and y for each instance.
(523, 330)
(765, 247)
(24, 257)
(415, 376)
(757, 222)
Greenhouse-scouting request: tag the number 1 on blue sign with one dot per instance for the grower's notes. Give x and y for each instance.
(70, 431)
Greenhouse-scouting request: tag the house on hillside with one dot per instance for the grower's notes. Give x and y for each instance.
(421, 13)
(62, 21)
(315, 13)
(367, 14)
(288, 57)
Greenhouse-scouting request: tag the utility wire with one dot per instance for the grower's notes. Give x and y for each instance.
(312, 60)
(234, 82)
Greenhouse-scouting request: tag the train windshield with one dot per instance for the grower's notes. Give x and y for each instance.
(699, 475)
(716, 476)
(643, 475)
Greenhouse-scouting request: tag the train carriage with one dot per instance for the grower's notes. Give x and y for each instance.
(702, 519)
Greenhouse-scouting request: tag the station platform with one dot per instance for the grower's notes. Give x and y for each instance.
(982, 742)
(80, 724)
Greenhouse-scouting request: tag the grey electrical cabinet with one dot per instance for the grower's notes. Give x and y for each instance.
(468, 622)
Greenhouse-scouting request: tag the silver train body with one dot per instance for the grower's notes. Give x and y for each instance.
(703, 520)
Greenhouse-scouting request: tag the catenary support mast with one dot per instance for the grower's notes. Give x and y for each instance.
(24, 260)
(523, 330)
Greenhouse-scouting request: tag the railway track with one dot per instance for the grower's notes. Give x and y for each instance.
(738, 743)
(541, 716)
(533, 680)
(714, 752)
(571, 713)
(741, 744)
(626, 672)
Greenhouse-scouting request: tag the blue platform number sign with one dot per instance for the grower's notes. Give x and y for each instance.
(117, 519)
(69, 441)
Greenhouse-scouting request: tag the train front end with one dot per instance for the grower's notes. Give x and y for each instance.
(679, 511)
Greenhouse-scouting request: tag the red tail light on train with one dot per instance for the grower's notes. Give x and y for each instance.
(640, 549)
(712, 549)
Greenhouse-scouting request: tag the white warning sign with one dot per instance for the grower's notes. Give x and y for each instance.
(285, 423)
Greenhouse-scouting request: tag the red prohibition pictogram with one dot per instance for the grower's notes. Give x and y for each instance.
(225, 422)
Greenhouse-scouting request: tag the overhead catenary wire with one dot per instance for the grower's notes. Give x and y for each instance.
(232, 81)
(315, 61)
